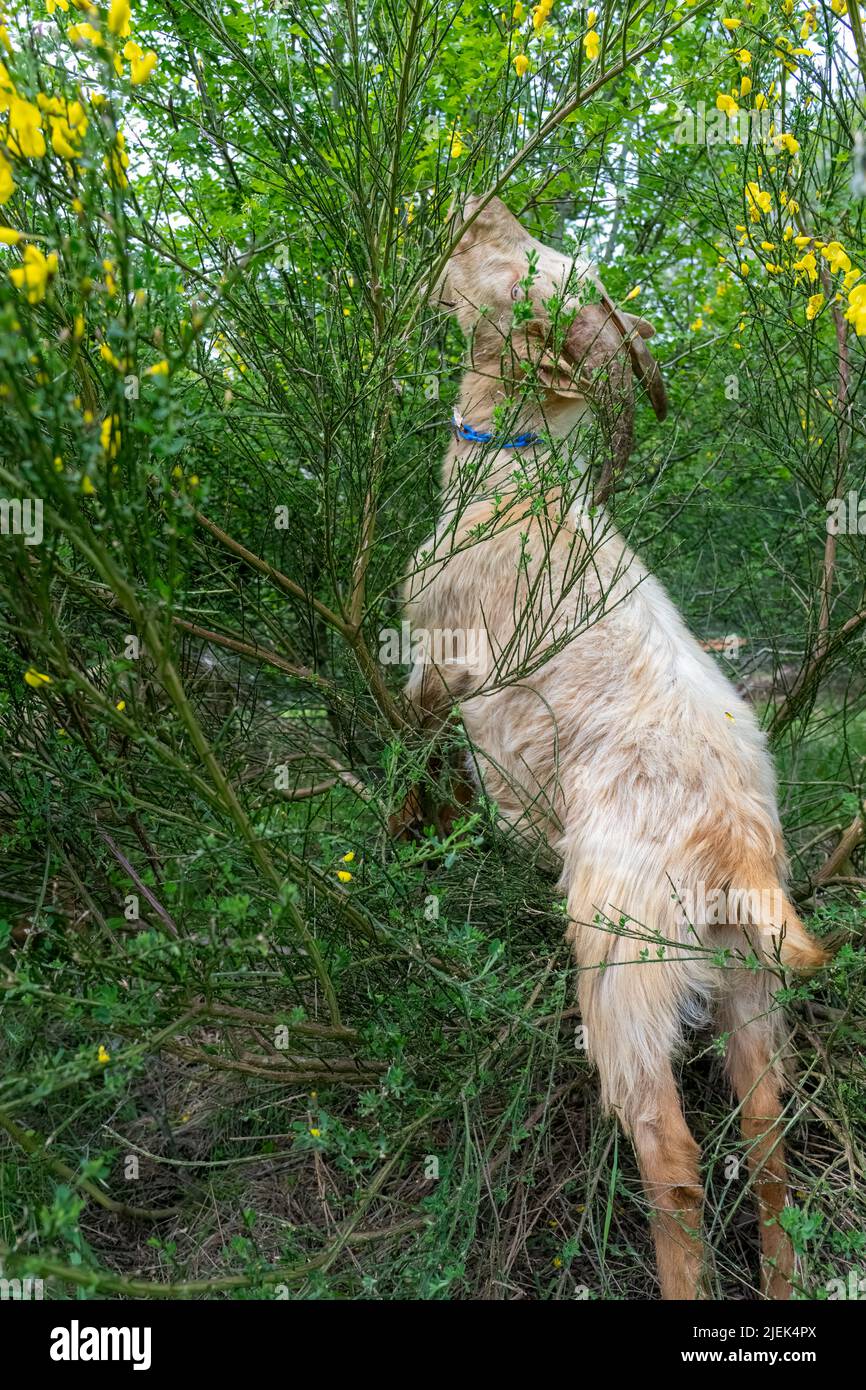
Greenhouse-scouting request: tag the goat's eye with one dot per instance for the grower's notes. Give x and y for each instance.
(517, 290)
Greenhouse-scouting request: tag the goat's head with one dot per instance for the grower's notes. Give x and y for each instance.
(534, 315)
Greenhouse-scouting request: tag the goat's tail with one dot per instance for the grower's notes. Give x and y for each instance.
(791, 942)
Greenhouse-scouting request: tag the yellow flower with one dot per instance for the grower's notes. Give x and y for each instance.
(7, 183)
(518, 12)
(732, 24)
(808, 266)
(62, 136)
(632, 294)
(743, 56)
(758, 200)
(726, 104)
(121, 706)
(802, 241)
(809, 25)
(108, 356)
(837, 257)
(698, 323)
(103, 1056)
(141, 64)
(521, 65)
(344, 876)
(316, 1133)
(36, 678)
(348, 856)
(9, 236)
(456, 147)
(591, 19)
(851, 278)
(856, 311)
(540, 13)
(118, 161)
(110, 436)
(839, 7)
(789, 143)
(745, 86)
(158, 368)
(84, 33)
(760, 102)
(814, 306)
(52, 5)
(118, 18)
(34, 274)
(25, 129)
(768, 246)
(591, 45)
(87, 486)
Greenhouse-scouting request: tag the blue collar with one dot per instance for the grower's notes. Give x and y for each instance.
(465, 431)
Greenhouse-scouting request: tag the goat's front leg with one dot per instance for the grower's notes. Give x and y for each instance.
(429, 698)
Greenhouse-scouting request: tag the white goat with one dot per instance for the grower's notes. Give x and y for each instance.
(598, 722)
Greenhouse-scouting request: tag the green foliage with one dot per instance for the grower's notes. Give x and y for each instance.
(224, 375)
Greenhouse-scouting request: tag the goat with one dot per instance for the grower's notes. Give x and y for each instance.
(597, 722)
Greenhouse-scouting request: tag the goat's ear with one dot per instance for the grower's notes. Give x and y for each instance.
(646, 368)
(634, 331)
(484, 221)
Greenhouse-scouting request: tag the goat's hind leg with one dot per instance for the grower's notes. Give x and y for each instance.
(754, 1066)
(632, 1036)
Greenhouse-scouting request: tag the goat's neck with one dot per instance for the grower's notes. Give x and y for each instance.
(471, 469)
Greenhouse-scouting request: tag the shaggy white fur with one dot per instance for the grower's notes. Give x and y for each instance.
(599, 724)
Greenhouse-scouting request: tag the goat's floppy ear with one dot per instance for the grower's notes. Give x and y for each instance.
(646, 368)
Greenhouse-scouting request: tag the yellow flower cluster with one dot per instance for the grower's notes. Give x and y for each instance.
(853, 284)
(540, 14)
(34, 274)
(23, 135)
(117, 162)
(591, 40)
(141, 63)
(110, 437)
(758, 201)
